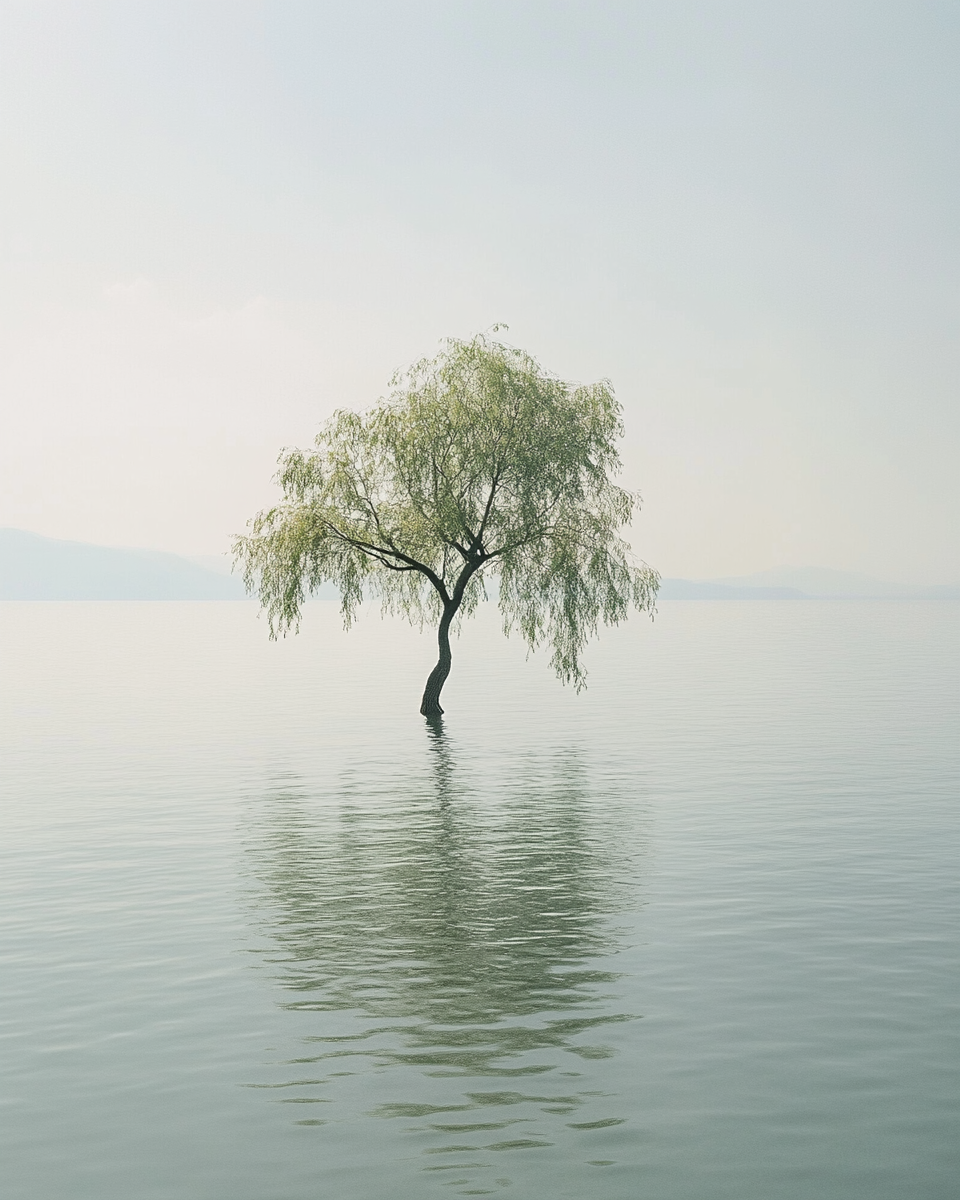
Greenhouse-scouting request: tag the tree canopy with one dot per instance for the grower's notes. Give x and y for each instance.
(479, 463)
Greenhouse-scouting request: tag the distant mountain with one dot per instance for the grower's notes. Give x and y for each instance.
(219, 564)
(800, 583)
(40, 568)
(688, 589)
(822, 583)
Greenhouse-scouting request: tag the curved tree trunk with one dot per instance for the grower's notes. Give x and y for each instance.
(430, 705)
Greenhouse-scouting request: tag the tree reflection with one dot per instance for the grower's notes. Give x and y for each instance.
(455, 918)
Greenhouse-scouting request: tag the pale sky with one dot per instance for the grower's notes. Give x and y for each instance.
(223, 220)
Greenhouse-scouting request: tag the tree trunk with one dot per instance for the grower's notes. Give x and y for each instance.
(430, 705)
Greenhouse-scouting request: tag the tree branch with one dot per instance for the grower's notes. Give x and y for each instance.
(478, 540)
(376, 552)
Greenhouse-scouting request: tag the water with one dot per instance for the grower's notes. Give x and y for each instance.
(268, 936)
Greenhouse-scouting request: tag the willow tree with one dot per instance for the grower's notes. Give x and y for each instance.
(478, 464)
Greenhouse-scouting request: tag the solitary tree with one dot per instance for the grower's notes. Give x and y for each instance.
(479, 463)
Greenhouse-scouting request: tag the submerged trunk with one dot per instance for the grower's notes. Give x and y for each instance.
(430, 705)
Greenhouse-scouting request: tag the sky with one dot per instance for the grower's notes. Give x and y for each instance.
(223, 220)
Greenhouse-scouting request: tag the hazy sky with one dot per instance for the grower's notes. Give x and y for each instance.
(223, 220)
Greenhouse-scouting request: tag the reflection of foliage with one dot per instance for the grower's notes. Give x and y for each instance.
(429, 909)
(453, 934)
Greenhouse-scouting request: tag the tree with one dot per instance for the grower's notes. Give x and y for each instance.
(479, 463)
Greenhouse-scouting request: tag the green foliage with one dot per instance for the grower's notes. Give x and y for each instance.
(478, 463)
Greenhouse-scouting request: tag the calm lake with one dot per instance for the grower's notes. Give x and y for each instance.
(691, 935)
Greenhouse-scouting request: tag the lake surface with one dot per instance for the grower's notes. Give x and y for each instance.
(692, 934)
